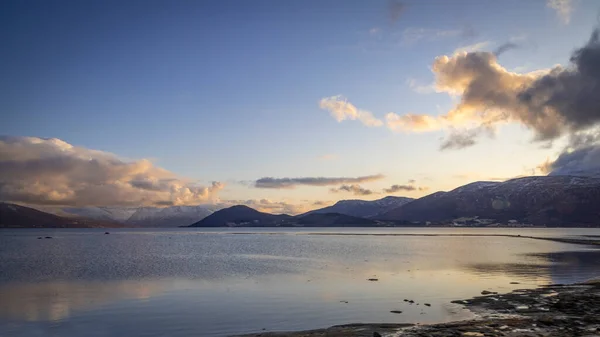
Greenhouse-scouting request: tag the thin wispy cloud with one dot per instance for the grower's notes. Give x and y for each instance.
(404, 188)
(413, 35)
(472, 47)
(420, 88)
(396, 10)
(355, 189)
(564, 9)
(341, 110)
(41, 171)
(289, 183)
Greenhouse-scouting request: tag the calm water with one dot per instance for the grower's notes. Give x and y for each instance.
(217, 282)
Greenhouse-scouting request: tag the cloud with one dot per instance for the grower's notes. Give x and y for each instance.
(471, 48)
(413, 35)
(269, 182)
(503, 48)
(342, 110)
(404, 188)
(563, 8)
(419, 88)
(460, 139)
(395, 9)
(412, 122)
(41, 171)
(549, 102)
(354, 189)
(581, 157)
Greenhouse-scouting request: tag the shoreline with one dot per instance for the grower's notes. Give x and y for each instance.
(556, 310)
(551, 310)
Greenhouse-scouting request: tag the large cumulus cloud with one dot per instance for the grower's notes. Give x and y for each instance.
(552, 103)
(42, 171)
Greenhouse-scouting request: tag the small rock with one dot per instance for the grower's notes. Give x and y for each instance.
(344, 302)
(405, 300)
(373, 279)
(514, 283)
(376, 334)
(396, 312)
(427, 304)
(411, 301)
(106, 233)
(48, 237)
(486, 292)
(39, 237)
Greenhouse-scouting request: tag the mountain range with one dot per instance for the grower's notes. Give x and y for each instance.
(543, 200)
(16, 216)
(538, 200)
(364, 208)
(244, 216)
(174, 216)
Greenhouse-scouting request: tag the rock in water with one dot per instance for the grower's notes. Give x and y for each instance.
(373, 279)
(376, 334)
(106, 233)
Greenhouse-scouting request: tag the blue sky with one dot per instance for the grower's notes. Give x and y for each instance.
(229, 91)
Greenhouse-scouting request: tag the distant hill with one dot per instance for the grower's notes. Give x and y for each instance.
(241, 215)
(332, 220)
(173, 216)
(364, 208)
(15, 216)
(545, 200)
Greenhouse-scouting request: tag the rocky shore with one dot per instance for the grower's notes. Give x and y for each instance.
(553, 310)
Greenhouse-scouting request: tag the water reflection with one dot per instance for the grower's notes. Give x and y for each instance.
(53, 301)
(166, 284)
(558, 267)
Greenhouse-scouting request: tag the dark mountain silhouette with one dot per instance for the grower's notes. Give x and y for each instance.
(545, 200)
(364, 208)
(15, 216)
(241, 215)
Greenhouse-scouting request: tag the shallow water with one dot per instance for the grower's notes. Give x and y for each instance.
(191, 282)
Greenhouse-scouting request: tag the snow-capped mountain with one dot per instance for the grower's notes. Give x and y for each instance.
(173, 216)
(364, 208)
(116, 214)
(543, 200)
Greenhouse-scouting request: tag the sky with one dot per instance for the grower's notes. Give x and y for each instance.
(281, 105)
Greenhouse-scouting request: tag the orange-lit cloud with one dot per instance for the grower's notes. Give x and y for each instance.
(282, 183)
(42, 171)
